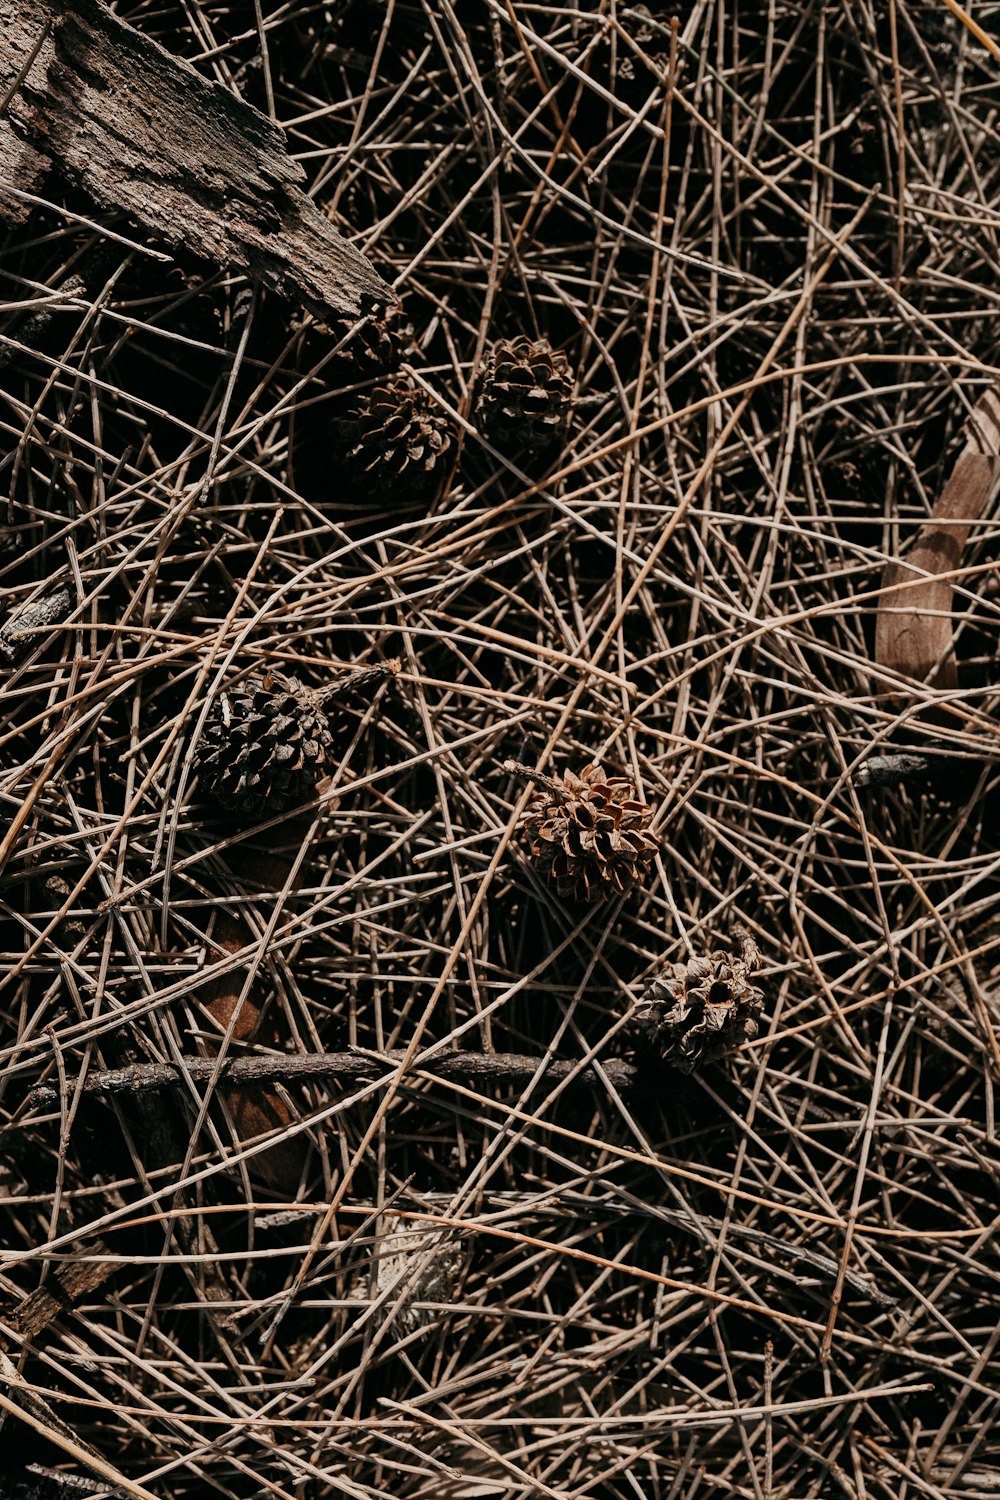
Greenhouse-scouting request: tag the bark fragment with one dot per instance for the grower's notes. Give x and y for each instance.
(145, 134)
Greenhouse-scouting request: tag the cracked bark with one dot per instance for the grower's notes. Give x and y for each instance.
(143, 133)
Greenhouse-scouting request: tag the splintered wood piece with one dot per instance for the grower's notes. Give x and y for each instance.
(17, 1399)
(143, 133)
(914, 630)
(65, 1287)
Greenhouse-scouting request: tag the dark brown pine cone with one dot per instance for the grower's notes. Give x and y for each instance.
(383, 342)
(264, 745)
(399, 441)
(698, 1011)
(588, 834)
(525, 394)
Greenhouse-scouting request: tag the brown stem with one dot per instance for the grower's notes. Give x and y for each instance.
(537, 778)
(364, 678)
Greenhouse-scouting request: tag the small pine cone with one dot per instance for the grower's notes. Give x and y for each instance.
(525, 395)
(383, 342)
(700, 1010)
(400, 440)
(264, 746)
(589, 834)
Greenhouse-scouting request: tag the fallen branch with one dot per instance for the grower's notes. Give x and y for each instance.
(145, 134)
(947, 771)
(347, 1067)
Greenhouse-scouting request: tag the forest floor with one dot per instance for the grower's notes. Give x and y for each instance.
(766, 239)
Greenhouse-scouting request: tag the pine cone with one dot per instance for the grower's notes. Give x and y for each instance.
(400, 440)
(383, 342)
(589, 834)
(525, 395)
(698, 1011)
(264, 745)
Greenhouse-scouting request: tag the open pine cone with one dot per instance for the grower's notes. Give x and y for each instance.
(400, 440)
(588, 834)
(698, 1011)
(525, 395)
(264, 745)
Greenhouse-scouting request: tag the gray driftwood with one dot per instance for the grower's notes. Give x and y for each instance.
(145, 134)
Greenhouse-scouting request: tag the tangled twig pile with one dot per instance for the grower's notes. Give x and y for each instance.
(693, 317)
